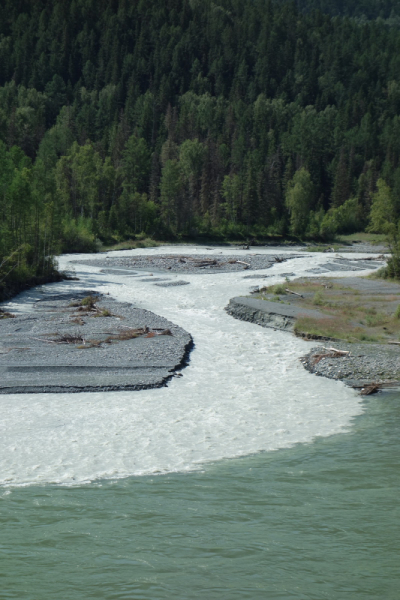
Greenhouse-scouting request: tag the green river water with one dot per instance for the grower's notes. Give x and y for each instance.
(318, 521)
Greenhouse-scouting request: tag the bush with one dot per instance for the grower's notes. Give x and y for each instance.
(279, 288)
(318, 299)
(77, 236)
(343, 219)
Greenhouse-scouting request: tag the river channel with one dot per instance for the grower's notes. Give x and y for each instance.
(247, 477)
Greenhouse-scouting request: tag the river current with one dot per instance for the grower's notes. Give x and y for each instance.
(247, 477)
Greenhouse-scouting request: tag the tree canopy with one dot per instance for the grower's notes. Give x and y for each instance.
(175, 117)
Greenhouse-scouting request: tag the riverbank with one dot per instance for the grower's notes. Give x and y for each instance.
(359, 315)
(87, 342)
(367, 367)
(9, 289)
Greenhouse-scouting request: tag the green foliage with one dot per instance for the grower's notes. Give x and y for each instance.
(77, 235)
(136, 160)
(299, 198)
(385, 218)
(177, 118)
(170, 188)
(279, 288)
(342, 219)
(319, 299)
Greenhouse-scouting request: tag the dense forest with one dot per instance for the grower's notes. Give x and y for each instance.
(175, 118)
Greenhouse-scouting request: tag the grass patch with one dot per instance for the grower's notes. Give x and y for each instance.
(354, 315)
(131, 245)
(87, 303)
(275, 299)
(319, 299)
(88, 306)
(338, 328)
(103, 313)
(279, 289)
(326, 248)
(362, 237)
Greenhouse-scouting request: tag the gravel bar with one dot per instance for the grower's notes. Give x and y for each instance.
(206, 264)
(190, 264)
(60, 348)
(366, 364)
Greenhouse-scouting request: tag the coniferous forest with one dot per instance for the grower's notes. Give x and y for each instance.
(174, 118)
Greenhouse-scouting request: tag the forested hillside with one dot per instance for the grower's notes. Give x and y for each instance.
(359, 9)
(190, 117)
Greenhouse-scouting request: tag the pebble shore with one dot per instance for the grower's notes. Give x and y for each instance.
(365, 364)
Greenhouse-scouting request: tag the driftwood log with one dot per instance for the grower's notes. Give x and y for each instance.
(331, 353)
(294, 293)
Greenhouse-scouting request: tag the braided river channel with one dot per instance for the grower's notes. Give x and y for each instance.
(246, 478)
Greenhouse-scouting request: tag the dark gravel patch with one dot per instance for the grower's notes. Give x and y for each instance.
(152, 279)
(33, 361)
(128, 272)
(257, 276)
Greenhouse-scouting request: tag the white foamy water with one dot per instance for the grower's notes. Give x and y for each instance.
(244, 391)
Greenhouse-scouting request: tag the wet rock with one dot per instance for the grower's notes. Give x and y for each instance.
(172, 283)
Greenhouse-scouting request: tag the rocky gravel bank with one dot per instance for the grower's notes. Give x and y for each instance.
(191, 264)
(69, 344)
(267, 314)
(364, 365)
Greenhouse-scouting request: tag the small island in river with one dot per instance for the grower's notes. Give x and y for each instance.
(87, 342)
(358, 318)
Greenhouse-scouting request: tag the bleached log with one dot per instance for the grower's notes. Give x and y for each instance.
(294, 293)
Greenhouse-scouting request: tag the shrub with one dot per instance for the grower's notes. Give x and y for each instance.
(77, 236)
(279, 288)
(318, 299)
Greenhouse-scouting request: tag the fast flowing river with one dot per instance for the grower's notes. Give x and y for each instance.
(246, 478)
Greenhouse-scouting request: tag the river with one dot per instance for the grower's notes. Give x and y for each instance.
(247, 477)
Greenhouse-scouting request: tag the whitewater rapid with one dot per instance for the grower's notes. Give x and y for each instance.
(243, 392)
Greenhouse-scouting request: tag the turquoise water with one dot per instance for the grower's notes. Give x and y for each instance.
(318, 521)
